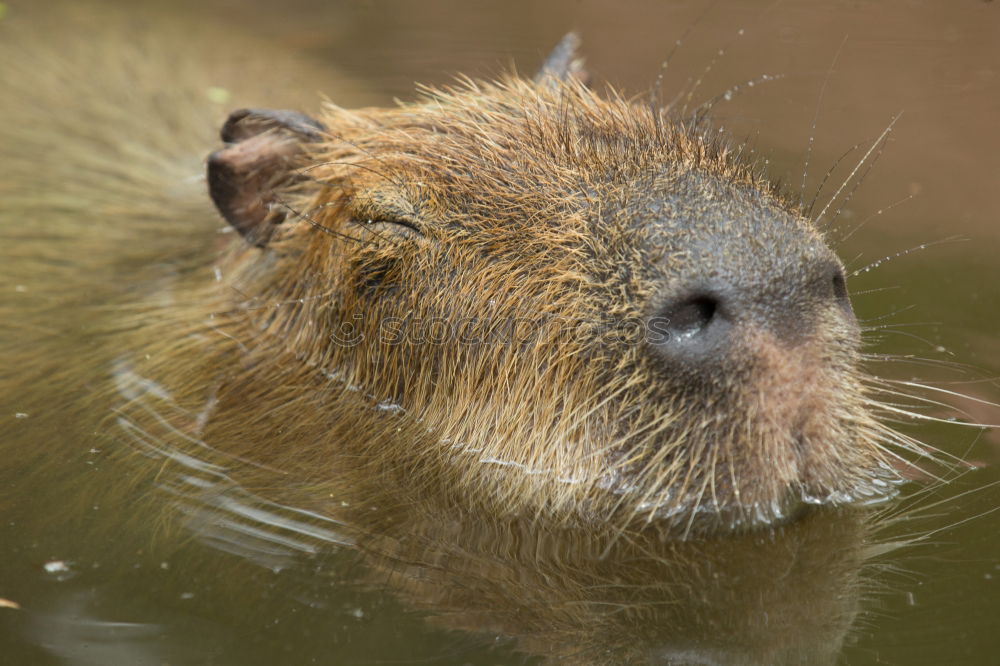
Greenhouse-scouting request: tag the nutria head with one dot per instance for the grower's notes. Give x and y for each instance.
(526, 298)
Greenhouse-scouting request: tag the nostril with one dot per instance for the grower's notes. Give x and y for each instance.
(839, 285)
(690, 317)
(840, 292)
(693, 329)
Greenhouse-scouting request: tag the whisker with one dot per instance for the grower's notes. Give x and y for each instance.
(302, 215)
(923, 246)
(826, 177)
(937, 363)
(705, 107)
(919, 398)
(926, 535)
(936, 419)
(876, 146)
(875, 290)
(906, 334)
(955, 394)
(815, 122)
(887, 315)
(656, 92)
(884, 449)
(871, 217)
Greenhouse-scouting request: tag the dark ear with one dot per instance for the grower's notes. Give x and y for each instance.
(563, 63)
(245, 176)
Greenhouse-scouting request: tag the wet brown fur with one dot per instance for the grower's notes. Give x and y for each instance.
(479, 206)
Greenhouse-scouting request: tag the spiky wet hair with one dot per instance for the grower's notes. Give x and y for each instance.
(537, 225)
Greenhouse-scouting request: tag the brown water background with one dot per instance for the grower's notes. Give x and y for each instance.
(852, 67)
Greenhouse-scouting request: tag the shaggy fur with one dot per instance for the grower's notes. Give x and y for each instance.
(452, 313)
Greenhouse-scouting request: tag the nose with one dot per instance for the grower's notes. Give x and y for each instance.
(703, 317)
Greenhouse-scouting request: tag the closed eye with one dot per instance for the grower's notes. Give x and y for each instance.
(394, 225)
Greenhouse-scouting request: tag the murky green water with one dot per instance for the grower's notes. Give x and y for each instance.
(917, 585)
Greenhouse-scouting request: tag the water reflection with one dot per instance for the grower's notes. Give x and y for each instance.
(787, 596)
